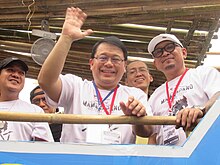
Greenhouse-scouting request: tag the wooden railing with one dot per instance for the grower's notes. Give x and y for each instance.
(86, 119)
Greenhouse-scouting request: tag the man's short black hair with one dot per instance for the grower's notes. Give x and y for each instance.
(111, 40)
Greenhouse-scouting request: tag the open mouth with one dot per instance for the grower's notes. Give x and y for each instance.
(139, 80)
(108, 71)
(14, 81)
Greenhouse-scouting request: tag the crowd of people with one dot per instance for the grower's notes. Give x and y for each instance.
(187, 93)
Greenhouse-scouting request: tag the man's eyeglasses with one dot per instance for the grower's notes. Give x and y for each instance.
(168, 48)
(134, 71)
(38, 100)
(114, 59)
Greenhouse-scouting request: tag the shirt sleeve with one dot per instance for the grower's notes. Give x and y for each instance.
(41, 130)
(210, 79)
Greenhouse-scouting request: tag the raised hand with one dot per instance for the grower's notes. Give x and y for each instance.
(74, 20)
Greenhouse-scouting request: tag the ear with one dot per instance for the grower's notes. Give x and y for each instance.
(91, 62)
(184, 51)
(151, 78)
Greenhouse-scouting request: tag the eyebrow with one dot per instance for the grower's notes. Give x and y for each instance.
(142, 67)
(37, 94)
(166, 43)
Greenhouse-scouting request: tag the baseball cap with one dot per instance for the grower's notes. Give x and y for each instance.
(162, 37)
(4, 63)
(111, 40)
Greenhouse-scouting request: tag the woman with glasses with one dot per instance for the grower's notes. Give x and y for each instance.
(187, 94)
(104, 95)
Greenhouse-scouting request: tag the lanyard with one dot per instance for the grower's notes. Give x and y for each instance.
(101, 101)
(170, 101)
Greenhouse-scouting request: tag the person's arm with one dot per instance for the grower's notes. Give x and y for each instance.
(187, 117)
(136, 108)
(143, 130)
(41, 130)
(48, 77)
(211, 101)
(152, 139)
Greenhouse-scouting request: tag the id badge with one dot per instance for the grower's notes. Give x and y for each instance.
(170, 135)
(111, 137)
(102, 134)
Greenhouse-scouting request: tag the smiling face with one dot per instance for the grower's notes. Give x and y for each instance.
(12, 80)
(107, 74)
(138, 75)
(171, 63)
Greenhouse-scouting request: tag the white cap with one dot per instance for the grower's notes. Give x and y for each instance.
(162, 37)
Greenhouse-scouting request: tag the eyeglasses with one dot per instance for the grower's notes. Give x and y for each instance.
(114, 59)
(38, 100)
(168, 48)
(134, 71)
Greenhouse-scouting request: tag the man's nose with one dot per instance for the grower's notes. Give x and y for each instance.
(41, 103)
(138, 72)
(15, 74)
(109, 61)
(165, 53)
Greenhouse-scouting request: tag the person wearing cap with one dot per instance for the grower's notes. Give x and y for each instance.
(187, 94)
(104, 95)
(12, 79)
(137, 75)
(37, 97)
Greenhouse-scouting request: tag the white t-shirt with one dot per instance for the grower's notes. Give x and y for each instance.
(23, 131)
(196, 88)
(79, 97)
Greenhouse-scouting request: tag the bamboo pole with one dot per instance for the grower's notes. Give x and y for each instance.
(86, 119)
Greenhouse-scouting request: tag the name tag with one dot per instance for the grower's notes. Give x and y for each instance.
(102, 134)
(170, 135)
